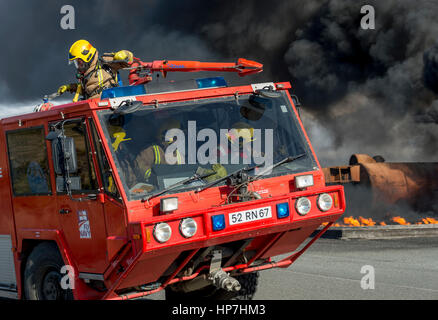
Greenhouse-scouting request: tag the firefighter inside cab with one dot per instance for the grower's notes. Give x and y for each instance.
(94, 73)
(137, 167)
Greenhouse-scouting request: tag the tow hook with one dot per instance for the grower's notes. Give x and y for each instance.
(223, 280)
(219, 277)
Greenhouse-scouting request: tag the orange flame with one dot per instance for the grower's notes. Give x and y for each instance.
(351, 221)
(400, 220)
(429, 221)
(365, 222)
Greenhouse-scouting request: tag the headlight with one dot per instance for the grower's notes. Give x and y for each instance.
(304, 181)
(325, 202)
(188, 227)
(168, 205)
(162, 232)
(303, 205)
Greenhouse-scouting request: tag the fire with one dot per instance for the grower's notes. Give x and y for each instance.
(368, 222)
(400, 220)
(360, 222)
(351, 221)
(428, 221)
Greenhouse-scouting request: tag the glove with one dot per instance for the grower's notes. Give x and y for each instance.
(124, 56)
(218, 170)
(63, 88)
(67, 87)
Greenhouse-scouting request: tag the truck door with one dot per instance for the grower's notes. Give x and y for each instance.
(81, 214)
(33, 203)
(115, 217)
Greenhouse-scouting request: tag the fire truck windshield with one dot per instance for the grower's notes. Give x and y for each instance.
(155, 148)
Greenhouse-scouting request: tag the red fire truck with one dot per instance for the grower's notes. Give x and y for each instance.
(93, 209)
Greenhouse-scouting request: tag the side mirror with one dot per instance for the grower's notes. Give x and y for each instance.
(297, 104)
(64, 154)
(53, 135)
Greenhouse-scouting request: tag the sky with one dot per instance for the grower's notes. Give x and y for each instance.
(363, 90)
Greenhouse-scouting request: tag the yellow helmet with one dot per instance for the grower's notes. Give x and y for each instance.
(81, 49)
(241, 130)
(118, 134)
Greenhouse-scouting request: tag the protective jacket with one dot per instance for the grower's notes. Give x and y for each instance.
(138, 169)
(151, 156)
(102, 74)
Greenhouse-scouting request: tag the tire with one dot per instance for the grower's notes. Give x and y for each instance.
(42, 274)
(248, 281)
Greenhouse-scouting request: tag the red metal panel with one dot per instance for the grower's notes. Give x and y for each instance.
(146, 271)
(289, 241)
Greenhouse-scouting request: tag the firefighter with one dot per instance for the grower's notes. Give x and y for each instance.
(242, 134)
(138, 169)
(94, 73)
(126, 159)
(155, 154)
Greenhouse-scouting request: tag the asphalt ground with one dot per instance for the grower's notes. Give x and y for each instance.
(331, 270)
(403, 269)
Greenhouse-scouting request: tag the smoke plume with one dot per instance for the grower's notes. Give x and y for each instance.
(363, 91)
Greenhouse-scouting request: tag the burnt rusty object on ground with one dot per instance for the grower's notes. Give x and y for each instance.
(415, 183)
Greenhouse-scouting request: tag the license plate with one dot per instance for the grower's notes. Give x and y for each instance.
(250, 215)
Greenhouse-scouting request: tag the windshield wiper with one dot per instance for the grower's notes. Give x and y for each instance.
(247, 169)
(198, 176)
(215, 182)
(279, 163)
(195, 177)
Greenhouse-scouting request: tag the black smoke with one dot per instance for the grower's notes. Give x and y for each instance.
(367, 91)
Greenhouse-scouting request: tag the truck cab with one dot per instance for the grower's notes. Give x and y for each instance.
(190, 187)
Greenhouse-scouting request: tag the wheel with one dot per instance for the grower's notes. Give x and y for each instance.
(248, 281)
(42, 274)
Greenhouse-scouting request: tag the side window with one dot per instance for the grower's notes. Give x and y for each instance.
(105, 169)
(84, 178)
(28, 161)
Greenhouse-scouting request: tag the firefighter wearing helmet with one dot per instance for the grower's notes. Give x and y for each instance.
(240, 135)
(154, 154)
(138, 169)
(94, 73)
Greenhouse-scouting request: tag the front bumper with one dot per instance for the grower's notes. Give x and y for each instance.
(270, 237)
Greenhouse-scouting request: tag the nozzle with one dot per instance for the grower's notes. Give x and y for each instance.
(247, 67)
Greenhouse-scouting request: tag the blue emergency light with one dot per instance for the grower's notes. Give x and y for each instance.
(202, 83)
(123, 91)
(218, 222)
(282, 210)
(211, 82)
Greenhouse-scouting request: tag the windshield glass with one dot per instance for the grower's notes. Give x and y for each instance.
(158, 148)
